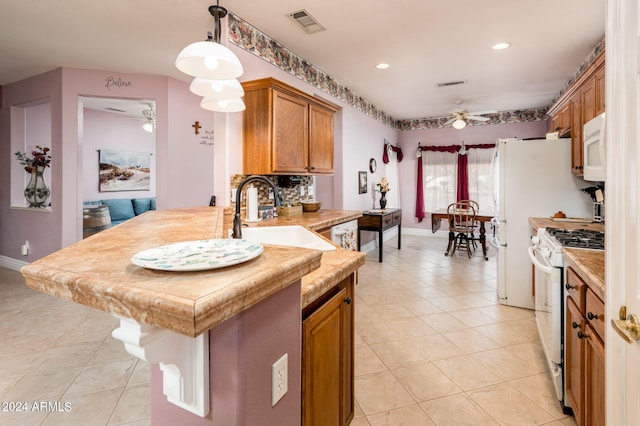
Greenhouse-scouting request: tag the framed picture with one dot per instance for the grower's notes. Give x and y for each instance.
(124, 171)
(362, 182)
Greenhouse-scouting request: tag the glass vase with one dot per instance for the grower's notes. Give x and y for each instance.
(37, 191)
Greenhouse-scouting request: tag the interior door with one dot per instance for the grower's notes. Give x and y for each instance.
(623, 208)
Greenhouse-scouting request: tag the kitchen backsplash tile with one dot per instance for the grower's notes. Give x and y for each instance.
(290, 195)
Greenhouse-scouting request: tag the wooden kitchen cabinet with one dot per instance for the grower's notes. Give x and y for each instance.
(580, 103)
(286, 131)
(327, 358)
(577, 161)
(584, 345)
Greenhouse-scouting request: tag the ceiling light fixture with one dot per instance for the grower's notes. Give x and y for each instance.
(148, 127)
(500, 46)
(209, 59)
(459, 124)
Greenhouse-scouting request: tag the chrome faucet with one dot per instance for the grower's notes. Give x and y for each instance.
(237, 219)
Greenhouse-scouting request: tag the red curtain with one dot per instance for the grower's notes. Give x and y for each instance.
(462, 189)
(396, 149)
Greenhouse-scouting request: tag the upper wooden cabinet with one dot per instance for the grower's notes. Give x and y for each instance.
(286, 131)
(580, 103)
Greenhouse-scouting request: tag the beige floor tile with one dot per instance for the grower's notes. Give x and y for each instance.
(443, 321)
(42, 386)
(65, 357)
(380, 392)
(466, 372)
(134, 405)
(425, 381)
(101, 377)
(511, 332)
(110, 350)
(407, 416)
(418, 306)
(360, 421)
(86, 409)
(25, 417)
(141, 374)
(510, 407)
(404, 328)
(470, 340)
(436, 346)
(19, 364)
(459, 410)
(472, 317)
(505, 364)
(366, 361)
(396, 354)
(539, 389)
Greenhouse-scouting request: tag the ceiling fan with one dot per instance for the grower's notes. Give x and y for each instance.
(460, 116)
(150, 116)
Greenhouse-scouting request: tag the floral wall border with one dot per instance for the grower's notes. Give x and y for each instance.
(251, 39)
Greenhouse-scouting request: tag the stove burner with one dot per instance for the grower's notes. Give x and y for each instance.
(578, 238)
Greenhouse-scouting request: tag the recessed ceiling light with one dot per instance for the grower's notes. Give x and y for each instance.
(500, 46)
(382, 66)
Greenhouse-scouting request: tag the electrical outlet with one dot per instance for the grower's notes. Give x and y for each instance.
(302, 190)
(270, 193)
(233, 194)
(24, 249)
(279, 379)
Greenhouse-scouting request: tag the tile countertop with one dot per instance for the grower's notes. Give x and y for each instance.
(97, 272)
(588, 264)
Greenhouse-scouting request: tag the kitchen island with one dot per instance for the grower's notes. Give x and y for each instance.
(242, 317)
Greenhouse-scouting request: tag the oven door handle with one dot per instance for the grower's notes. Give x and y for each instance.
(547, 269)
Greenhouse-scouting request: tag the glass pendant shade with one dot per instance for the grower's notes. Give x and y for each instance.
(225, 105)
(209, 60)
(148, 127)
(459, 124)
(216, 89)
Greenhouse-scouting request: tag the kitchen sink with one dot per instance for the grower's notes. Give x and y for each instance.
(292, 236)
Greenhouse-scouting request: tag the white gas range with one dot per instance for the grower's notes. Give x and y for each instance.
(550, 294)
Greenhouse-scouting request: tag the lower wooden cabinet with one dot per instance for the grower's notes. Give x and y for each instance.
(327, 358)
(585, 359)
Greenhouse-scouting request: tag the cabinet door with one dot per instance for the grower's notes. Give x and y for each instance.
(290, 134)
(600, 91)
(574, 346)
(320, 140)
(588, 100)
(576, 134)
(323, 366)
(594, 401)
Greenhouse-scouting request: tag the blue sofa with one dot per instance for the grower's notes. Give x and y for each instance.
(122, 209)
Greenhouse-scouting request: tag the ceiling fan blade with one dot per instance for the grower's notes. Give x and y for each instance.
(487, 111)
(477, 118)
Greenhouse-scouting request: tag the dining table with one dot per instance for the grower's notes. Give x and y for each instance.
(482, 216)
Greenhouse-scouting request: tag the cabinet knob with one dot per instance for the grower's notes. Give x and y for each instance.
(581, 335)
(575, 324)
(591, 316)
(567, 286)
(347, 300)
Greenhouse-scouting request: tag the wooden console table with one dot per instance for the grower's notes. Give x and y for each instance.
(379, 221)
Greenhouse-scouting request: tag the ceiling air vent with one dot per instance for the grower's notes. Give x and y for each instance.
(306, 21)
(451, 83)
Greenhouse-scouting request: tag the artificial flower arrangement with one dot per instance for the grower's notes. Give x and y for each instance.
(383, 185)
(40, 157)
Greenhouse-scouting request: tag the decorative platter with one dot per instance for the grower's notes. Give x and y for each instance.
(198, 255)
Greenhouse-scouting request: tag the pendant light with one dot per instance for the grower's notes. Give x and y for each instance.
(224, 105)
(209, 59)
(216, 89)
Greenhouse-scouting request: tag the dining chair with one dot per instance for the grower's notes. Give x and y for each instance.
(476, 223)
(462, 217)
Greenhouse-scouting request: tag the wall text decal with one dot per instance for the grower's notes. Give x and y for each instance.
(110, 82)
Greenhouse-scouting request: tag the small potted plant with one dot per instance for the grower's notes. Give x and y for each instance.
(36, 191)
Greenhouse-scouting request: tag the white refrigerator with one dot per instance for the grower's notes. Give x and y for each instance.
(532, 178)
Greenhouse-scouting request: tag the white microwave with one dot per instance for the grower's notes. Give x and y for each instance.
(594, 149)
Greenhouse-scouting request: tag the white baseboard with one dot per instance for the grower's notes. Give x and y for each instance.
(11, 263)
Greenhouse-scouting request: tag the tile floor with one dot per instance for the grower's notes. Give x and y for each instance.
(433, 347)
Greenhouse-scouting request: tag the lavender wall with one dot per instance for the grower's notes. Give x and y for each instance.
(103, 130)
(242, 351)
(449, 136)
(184, 165)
